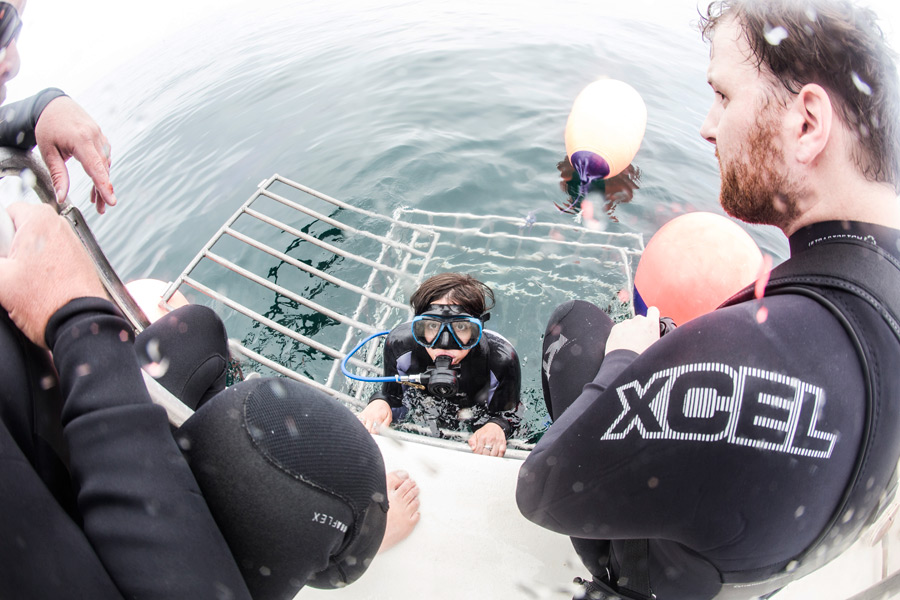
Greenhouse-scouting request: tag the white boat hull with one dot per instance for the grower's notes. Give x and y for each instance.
(471, 541)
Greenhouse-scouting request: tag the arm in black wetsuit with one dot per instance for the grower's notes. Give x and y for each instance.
(503, 363)
(141, 507)
(729, 440)
(19, 119)
(396, 344)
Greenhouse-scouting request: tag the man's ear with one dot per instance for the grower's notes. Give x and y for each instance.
(814, 115)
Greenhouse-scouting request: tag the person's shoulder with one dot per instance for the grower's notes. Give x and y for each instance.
(782, 325)
(401, 334)
(500, 348)
(495, 339)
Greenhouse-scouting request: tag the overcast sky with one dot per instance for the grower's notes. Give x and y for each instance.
(71, 44)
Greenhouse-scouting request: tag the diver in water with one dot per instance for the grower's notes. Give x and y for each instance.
(473, 373)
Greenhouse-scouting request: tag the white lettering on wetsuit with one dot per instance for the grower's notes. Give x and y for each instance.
(329, 520)
(709, 402)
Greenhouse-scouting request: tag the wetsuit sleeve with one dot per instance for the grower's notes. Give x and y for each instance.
(504, 405)
(391, 392)
(18, 120)
(652, 449)
(44, 552)
(613, 364)
(142, 510)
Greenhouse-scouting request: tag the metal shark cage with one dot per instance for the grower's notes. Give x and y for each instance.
(303, 277)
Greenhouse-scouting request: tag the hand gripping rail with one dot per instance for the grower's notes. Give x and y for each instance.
(32, 171)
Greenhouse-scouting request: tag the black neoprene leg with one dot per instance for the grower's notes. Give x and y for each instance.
(574, 346)
(188, 353)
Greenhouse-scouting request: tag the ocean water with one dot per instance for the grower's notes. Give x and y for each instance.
(441, 107)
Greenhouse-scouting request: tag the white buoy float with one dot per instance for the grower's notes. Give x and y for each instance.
(605, 128)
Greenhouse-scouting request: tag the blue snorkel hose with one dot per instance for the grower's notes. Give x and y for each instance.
(412, 380)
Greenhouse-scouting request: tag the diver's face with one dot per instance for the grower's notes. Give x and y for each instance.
(745, 124)
(456, 354)
(9, 56)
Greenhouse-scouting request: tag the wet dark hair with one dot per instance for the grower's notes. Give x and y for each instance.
(838, 46)
(474, 297)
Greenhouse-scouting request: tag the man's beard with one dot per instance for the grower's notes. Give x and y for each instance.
(753, 190)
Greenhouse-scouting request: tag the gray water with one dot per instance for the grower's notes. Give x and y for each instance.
(453, 106)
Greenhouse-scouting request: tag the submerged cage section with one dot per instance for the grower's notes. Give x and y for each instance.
(300, 278)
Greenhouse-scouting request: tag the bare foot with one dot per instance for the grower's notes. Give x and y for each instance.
(403, 514)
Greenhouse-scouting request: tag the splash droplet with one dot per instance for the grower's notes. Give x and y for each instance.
(765, 270)
(153, 350)
(861, 85)
(277, 388)
(776, 35)
(157, 369)
(29, 180)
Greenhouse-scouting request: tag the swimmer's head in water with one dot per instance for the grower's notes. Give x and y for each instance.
(294, 482)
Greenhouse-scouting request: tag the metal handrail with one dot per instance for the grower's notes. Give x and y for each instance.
(16, 163)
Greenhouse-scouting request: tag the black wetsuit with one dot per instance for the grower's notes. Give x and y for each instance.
(489, 378)
(722, 452)
(18, 119)
(96, 500)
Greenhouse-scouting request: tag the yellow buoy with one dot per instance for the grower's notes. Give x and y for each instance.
(605, 129)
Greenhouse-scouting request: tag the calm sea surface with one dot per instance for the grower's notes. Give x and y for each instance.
(445, 107)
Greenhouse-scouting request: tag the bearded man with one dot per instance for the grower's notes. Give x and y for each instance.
(753, 444)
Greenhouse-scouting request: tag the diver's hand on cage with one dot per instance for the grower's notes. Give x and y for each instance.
(488, 440)
(635, 334)
(375, 415)
(46, 268)
(65, 130)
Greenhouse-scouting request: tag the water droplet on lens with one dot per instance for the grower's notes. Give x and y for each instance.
(157, 369)
(776, 35)
(861, 85)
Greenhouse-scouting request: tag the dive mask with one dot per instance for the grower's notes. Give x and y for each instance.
(447, 327)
